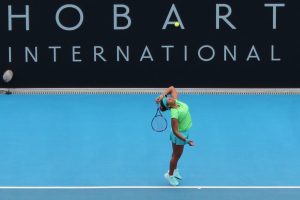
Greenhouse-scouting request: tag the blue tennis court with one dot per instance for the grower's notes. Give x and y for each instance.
(107, 140)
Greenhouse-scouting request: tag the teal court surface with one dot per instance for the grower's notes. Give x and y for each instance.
(101, 146)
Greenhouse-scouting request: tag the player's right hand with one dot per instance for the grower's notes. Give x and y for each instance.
(159, 98)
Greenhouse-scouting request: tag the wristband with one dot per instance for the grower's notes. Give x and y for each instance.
(187, 141)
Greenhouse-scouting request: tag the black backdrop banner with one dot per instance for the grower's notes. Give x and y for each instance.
(126, 43)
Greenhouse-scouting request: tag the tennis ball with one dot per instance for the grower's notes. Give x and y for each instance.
(7, 76)
(176, 24)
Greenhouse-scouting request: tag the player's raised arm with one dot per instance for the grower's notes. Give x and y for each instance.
(170, 90)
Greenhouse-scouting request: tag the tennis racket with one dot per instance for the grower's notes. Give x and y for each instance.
(159, 123)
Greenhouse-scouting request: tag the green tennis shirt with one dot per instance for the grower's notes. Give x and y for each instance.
(182, 114)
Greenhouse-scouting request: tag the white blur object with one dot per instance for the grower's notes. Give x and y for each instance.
(7, 76)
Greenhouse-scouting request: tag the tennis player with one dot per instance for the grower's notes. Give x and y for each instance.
(181, 123)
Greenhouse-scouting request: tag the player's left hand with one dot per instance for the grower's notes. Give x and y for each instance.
(191, 143)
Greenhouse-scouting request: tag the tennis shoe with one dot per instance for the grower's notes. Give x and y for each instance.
(177, 174)
(172, 180)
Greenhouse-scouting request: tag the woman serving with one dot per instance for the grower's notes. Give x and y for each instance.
(181, 123)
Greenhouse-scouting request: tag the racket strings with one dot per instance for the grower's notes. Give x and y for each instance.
(159, 123)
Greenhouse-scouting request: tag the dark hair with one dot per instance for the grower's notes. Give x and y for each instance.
(162, 106)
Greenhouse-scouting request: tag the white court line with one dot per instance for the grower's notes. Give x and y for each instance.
(149, 187)
(222, 91)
